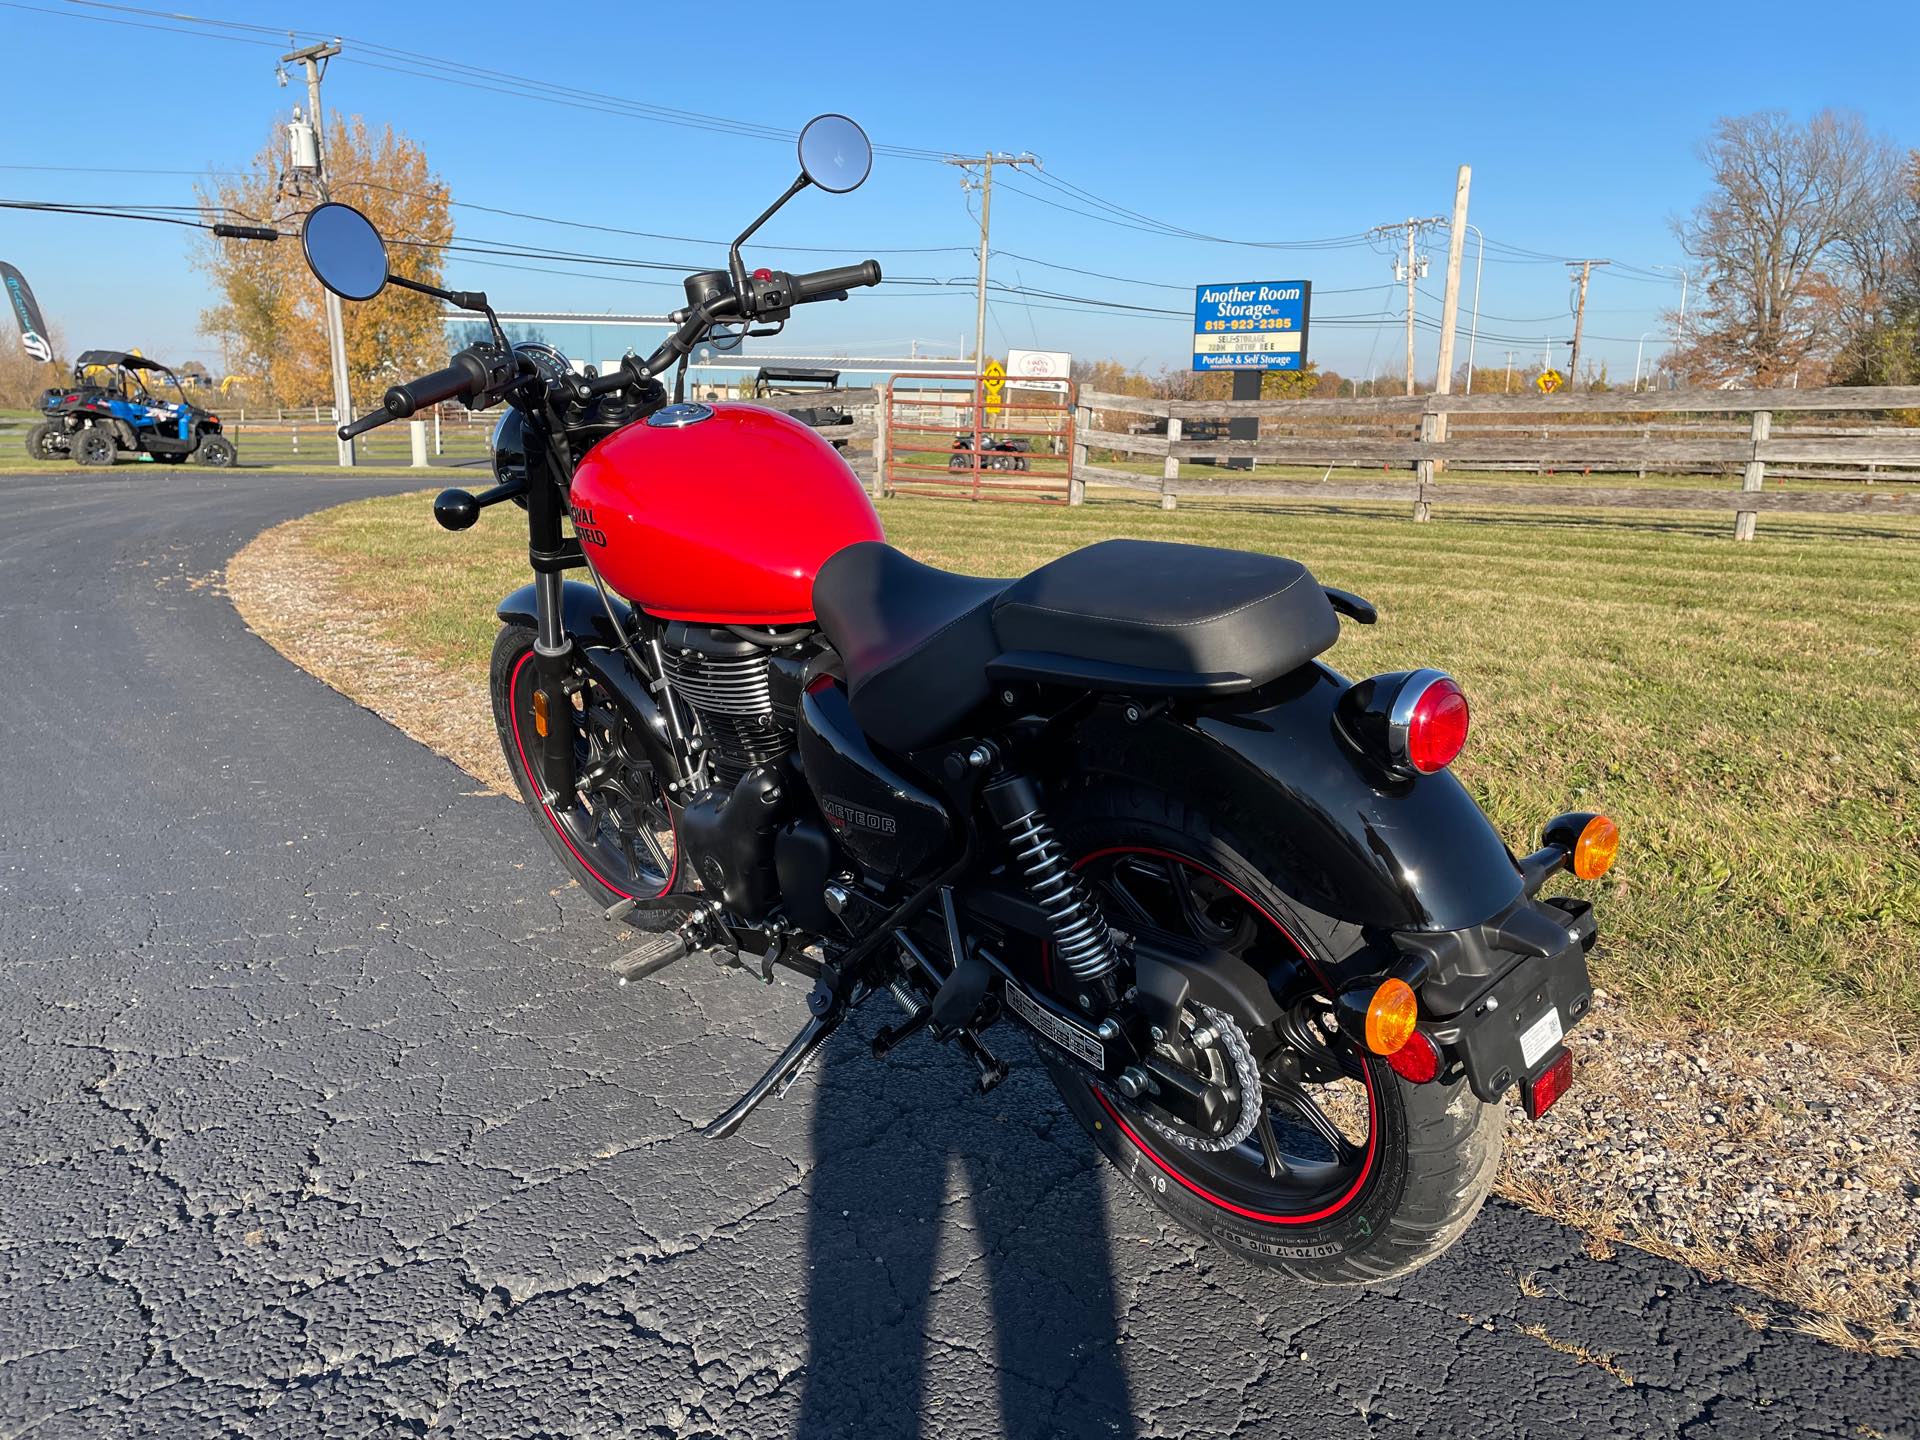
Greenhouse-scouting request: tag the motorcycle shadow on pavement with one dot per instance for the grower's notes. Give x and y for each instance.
(956, 1244)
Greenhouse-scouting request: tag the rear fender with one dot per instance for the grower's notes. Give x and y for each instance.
(1351, 842)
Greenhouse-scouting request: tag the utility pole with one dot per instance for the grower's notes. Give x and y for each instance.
(1450, 303)
(1414, 268)
(986, 163)
(1580, 317)
(314, 58)
(1506, 387)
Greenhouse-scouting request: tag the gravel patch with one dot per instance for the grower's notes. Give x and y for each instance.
(1771, 1162)
(1786, 1167)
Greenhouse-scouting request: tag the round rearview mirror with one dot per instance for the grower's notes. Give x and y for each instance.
(835, 153)
(344, 251)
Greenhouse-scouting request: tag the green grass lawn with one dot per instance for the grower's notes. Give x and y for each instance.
(1748, 713)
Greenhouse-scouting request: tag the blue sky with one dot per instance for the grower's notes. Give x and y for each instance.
(1253, 122)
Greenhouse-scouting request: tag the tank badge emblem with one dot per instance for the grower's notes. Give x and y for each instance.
(678, 417)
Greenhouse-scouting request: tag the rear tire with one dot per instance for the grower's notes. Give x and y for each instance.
(93, 447)
(1431, 1150)
(217, 451)
(40, 442)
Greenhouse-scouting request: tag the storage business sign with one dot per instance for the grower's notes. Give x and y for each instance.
(1251, 325)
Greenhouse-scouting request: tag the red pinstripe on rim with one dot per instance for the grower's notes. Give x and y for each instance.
(513, 718)
(1373, 1104)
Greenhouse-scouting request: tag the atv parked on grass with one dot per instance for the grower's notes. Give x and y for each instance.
(996, 453)
(111, 407)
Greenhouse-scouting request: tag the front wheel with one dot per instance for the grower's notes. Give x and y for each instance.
(1349, 1174)
(615, 834)
(216, 450)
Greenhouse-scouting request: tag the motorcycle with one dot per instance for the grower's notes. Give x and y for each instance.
(1276, 960)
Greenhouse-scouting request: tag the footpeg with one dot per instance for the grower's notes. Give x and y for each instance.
(651, 956)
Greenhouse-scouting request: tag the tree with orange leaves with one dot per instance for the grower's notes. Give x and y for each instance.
(270, 315)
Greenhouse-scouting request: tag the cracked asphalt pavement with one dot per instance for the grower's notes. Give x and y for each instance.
(324, 1119)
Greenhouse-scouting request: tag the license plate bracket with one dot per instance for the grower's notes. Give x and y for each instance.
(1512, 1029)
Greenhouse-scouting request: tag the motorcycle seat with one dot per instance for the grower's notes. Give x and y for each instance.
(923, 648)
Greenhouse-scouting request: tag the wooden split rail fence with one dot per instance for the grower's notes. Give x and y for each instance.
(1613, 434)
(1502, 437)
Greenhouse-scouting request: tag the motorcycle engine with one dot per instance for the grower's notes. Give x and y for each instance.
(744, 697)
(728, 683)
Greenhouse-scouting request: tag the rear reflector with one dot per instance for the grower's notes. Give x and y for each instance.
(1538, 1094)
(1416, 1061)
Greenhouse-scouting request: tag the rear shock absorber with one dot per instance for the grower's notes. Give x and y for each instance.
(1080, 933)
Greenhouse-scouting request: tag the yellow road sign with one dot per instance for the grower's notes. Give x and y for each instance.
(1550, 381)
(993, 378)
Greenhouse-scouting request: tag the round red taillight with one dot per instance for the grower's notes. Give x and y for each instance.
(1435, 724)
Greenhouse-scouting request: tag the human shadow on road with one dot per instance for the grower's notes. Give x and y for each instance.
(930, 1205)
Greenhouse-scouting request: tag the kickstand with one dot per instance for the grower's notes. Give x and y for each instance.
(780, 1075)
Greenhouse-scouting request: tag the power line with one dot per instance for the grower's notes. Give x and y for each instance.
(420, 65)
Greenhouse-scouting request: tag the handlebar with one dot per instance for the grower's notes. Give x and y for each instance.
(468, 375)
(699, 318)
(770, 296)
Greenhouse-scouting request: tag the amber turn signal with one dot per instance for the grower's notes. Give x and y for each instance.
(1593, 852)
(1391, 1015)
(540, 713)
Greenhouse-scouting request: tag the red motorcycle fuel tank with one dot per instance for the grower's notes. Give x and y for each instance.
(717, 513)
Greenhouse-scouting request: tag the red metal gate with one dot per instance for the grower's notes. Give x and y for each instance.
(948, 435)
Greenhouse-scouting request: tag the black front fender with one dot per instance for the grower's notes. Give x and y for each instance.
(581, 613)
(597, 648)
(1351, 841)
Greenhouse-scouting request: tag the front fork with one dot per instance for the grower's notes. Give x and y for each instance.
(552, 646)
(554, 719)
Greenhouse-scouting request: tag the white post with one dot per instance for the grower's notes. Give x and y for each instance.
(1170, 473)
(417, 431)
(1743, 520)
(1076, 471)
(436, 431)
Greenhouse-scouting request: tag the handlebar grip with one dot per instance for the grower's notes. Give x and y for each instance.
(819, 283)
(363, 424)
(461, 377)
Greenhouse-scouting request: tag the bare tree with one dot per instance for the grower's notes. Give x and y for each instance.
(1793, 239)
(1883, 342)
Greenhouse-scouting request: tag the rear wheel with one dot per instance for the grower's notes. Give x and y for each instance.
(93, 447)
(215, 450)
(41, 444)
(1347, 1174)
(615, 835)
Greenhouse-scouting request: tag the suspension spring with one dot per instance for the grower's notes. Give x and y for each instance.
(1080, 933)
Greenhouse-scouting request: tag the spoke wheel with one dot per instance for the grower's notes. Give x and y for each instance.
(1312, 1144)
